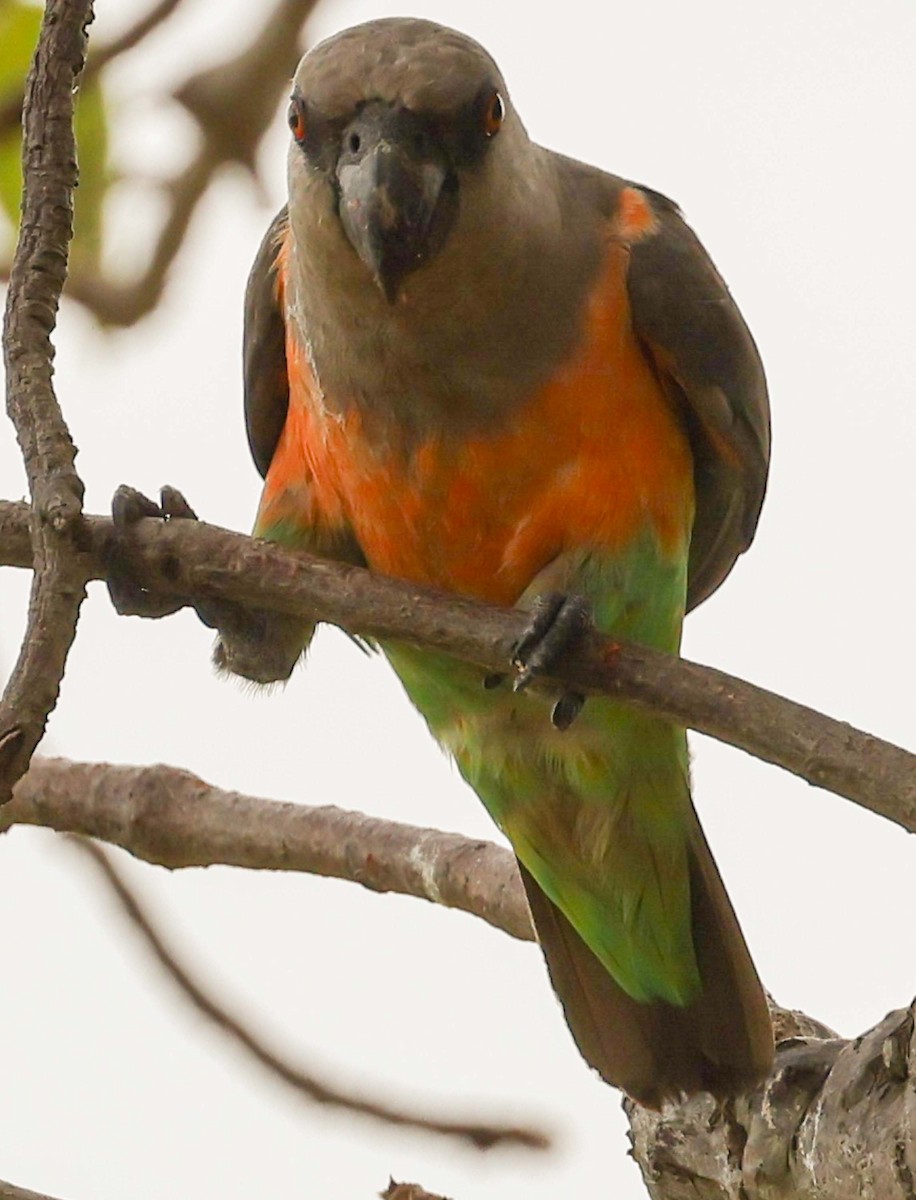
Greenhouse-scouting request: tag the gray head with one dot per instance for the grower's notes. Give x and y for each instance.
(391, 121)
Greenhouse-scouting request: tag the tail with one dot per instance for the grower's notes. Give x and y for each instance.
(721, 1043)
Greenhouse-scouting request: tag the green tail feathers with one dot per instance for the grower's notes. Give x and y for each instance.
(642, 945)
(605, 837)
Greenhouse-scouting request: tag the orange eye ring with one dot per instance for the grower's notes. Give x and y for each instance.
(296, 120)
(494, 114)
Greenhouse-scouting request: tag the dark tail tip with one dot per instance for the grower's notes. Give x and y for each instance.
(723, 1043)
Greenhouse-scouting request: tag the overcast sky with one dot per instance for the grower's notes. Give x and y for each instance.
(785, 131)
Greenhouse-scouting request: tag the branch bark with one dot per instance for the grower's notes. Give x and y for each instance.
(169, 817)
(834, 1121)
(9, 1191)
(37, 277)
(190, 559)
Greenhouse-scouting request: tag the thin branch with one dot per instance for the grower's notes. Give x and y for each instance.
(131, 37)
(483, 1137)
(233, 105)
(187, 558)
(11, 111)
(124, 304)
(171, 818)
(37, 277)
(235, 102)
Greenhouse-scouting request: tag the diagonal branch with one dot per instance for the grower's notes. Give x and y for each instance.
(9, 1191)
(483, 1137)
(37, 277)
(186, 558)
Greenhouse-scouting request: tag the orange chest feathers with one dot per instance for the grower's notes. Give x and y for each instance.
(593, 458)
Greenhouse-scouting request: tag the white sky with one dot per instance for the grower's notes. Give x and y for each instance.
(785, 131)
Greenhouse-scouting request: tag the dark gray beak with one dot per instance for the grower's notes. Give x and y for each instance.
(398, 197)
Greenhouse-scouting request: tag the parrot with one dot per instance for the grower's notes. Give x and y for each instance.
(473, 363)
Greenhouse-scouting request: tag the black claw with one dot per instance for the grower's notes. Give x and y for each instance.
(174, 506)
(128, 506)
(556, 623)
(566, 709)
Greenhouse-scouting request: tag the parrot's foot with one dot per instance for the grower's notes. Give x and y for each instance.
(129, 598)
(128, 506)
(258, 645)
(556, 623)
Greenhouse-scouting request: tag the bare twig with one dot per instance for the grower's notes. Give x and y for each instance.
(186, 558)
(483, 1137)
(234, 102)
(233, 105)
(38, 273)
(170, 817)
(104, 55)
(123, 304)
(11, 111)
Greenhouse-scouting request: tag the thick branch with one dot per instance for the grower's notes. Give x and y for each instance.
(170, 817)
(305, 1083)
(37, 276)
(835, 1122)
(185, 558)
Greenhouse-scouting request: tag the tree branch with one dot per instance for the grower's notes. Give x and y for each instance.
(306, 1084)
(233, 105)
(9, 1191)
(37, 276)
(170, 817)
(189, 558)
(11, 110)
(833, 1122)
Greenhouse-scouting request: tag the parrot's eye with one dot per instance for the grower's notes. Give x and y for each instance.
(296, 119)
(493, 114)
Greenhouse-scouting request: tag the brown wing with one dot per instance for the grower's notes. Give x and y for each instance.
(264, 349)
(697, 338)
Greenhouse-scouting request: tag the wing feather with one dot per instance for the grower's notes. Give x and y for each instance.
(696, 337)
(264, 348)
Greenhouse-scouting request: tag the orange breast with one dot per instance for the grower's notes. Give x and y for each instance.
(590, 461)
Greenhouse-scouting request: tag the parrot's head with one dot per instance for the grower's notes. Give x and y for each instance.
(396, 124)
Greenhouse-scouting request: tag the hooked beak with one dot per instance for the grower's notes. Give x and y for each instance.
(397, 195)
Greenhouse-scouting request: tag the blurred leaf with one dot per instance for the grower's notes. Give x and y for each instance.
(19, 26)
